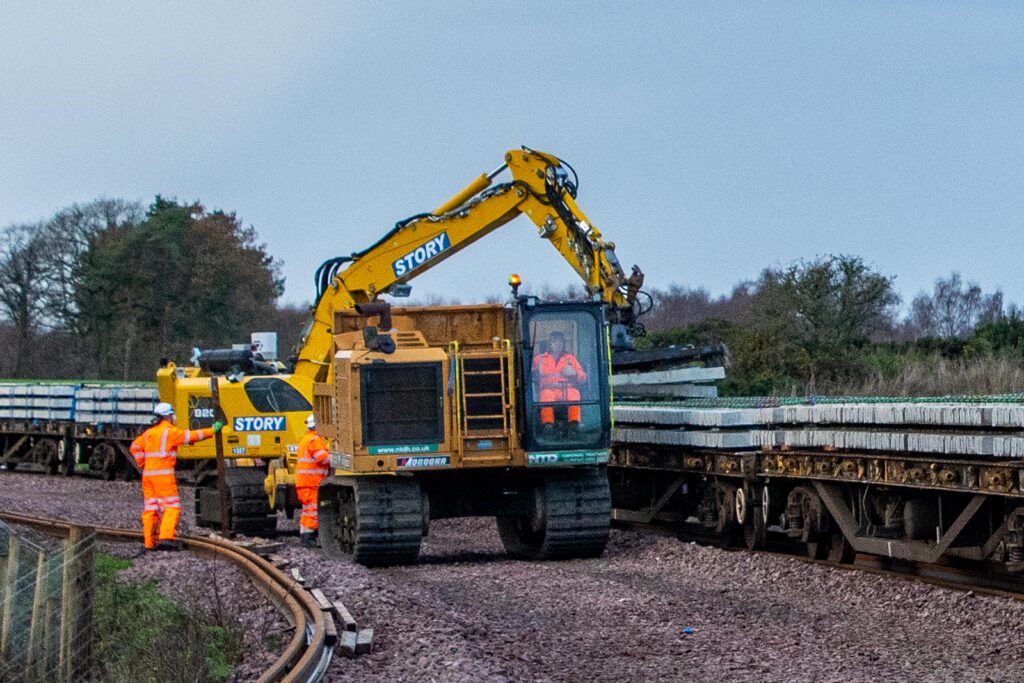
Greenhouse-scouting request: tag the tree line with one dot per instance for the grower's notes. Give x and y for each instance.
(834, 325)
(105, 289)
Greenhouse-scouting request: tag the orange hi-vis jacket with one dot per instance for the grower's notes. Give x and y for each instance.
(554, 388)
(549, 371)
(155, 452)
(313, 462)
(310, 469)
(156, 449)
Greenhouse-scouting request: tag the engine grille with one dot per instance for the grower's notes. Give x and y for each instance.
(402, 404)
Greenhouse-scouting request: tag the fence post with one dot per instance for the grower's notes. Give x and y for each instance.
(10, 579)
(76, 605)
(51, 637)
(35, 631)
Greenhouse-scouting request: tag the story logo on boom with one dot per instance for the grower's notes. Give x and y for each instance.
(421, 254)
(259, 423)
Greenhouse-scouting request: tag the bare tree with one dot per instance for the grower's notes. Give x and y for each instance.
(679, 306)
(23, 281)
(954, 308)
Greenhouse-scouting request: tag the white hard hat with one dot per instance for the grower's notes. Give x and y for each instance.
(163, 410)
(311, 421)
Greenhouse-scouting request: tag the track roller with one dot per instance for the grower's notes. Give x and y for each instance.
(571, 518)
(375, 521)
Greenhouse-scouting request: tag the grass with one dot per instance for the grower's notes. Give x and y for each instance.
(144, 636)
(934, 375)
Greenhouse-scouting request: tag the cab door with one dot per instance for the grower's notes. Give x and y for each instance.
(566, 404)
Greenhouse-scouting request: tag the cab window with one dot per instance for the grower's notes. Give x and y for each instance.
(271, 395)
(564, 375)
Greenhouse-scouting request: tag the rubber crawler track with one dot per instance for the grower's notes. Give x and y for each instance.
(307, 654)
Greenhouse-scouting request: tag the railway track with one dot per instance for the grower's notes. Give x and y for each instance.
(960, 577)
(309, 652)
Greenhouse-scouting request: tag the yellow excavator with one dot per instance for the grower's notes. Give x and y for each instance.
(429, 392)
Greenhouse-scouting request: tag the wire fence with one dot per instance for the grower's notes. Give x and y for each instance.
(46, 593)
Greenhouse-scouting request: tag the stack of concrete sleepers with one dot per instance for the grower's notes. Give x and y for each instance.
(115, 404)
(694, 382)
(994, 429)
(99, 404)
(36, 401)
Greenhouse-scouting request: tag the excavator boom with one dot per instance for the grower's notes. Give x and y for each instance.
(540, 188)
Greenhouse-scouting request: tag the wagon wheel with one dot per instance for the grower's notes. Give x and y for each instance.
(45, 454)
(840, 551)
(105, 459)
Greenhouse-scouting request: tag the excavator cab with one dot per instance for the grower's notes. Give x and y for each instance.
(565, 376)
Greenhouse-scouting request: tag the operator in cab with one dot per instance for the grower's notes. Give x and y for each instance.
(559, 376)
(155, 452)
(310, 469)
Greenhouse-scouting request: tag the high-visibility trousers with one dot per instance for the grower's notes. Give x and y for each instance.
(554, 395)
(308, 519)
(161, 506)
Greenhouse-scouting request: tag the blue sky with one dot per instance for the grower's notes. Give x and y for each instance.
(712, 139)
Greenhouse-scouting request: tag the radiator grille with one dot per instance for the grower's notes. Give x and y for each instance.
(402, 404)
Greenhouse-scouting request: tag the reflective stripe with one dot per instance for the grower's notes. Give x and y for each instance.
(316, 470)
(319, 452)
(150, 473)
(169, 499)
(152, 508)
(188, 436)
(163, 441)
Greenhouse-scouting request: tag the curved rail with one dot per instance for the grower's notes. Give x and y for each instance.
(307, 654)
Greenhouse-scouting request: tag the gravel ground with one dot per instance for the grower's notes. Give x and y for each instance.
(182, 576)
(467, 613)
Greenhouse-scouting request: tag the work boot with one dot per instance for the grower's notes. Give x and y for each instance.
(574, 429)
(309, 540)
(547, 430)
(168, 545)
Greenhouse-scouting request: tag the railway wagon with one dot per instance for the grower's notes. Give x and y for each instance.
(61, 427)
(927, 480)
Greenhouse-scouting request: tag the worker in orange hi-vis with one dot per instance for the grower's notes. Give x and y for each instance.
(155, 452)
(310, 469)
(559, 376)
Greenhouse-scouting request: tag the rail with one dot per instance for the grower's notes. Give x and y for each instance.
(308, 653)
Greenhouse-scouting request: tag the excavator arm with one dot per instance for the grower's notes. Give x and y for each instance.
(540, 188)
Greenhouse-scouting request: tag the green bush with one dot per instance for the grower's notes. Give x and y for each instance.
(143, 636)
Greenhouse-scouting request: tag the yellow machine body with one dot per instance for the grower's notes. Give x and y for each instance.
(540, 189)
